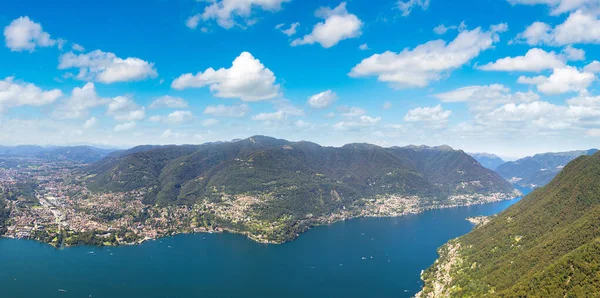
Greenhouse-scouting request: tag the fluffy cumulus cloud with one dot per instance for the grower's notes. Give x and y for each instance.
(579, 28)
(23, 34)
(574, 54)
(339, 24)
(428, 114)
(322, 100)
(427, 62)
(486, 98)
(229, 13)
(167, 101)
(407, 6)
(247, 79)
(562, 80)
(534, 60)
(560, 6)
(227, 111)
(78, 104)
(594, 67)
(180, 117)
(17, 93)
(107, 68)
(123, 108)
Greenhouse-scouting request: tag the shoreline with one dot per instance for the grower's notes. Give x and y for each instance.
(256, 239)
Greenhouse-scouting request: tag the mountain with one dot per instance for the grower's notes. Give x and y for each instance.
(546, 245)
(182, 174)
(540, 169)
(80, 154)
(487, 160)
(299, 183)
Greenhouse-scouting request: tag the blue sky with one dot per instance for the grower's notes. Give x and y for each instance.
(511, 77)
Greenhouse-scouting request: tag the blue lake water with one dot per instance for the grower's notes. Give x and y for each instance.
(326, 261)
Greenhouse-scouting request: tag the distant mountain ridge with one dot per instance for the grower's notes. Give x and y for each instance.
(182, 174)
(546, 245)
(82, 154)
(488, 160)
(540, 169)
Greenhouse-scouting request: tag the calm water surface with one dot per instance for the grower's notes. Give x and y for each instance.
(376, 257)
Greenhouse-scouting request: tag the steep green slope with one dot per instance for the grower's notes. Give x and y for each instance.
(546, 245)
(540, 169)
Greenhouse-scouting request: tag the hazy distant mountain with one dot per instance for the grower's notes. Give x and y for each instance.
(546, 245)
(487, 160)
(538, 170)
(82, 154)
(300, 172)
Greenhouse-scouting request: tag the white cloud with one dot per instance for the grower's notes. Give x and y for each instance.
(357, 124)
(322, 100)
(427, 62)
(574, 54)
(338, 25)
(560, 6)
(180, 116)
(442, 29)
(363, 47)
(247, 79)
(90, 123)
(428, 114)
(303, 124)
(227, 111)
(107, 68)
(290, 31)
(534, 60)
(81, 100)
(123, 108)
(275, 116)
(167, 101)
(534, 111)
(594, 67)
(209, 122)
(579, 27)
(17, 93)
(77, 47)
(228, 13)
(387, 105)
(486, 98)
(407, 6)
(351, 111)
(124, 126)
(536, 34)
(24, 34)
(562, 80)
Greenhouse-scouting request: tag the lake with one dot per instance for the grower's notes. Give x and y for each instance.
(376, 257)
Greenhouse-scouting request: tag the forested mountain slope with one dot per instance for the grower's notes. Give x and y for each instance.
(292, 171)
(547, 245)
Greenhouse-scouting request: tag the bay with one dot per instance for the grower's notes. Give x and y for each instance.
(364, 257)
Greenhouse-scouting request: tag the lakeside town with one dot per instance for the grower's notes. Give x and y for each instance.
(49, 202)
